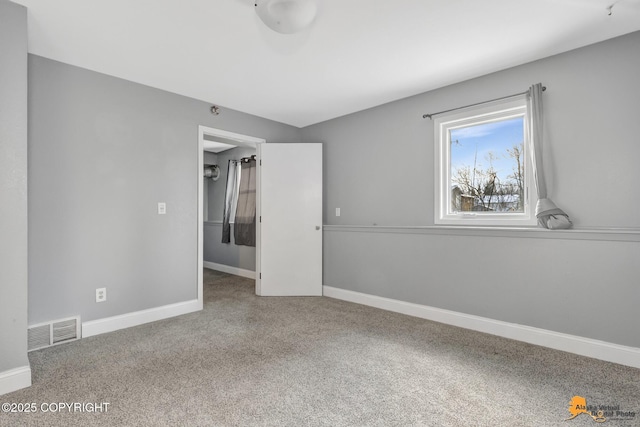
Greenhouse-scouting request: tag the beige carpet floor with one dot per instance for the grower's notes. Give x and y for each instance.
(251, 361)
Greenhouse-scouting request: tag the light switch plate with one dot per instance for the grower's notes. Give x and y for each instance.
(162, 208)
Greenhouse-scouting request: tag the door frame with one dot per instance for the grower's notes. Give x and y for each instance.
(233, 138)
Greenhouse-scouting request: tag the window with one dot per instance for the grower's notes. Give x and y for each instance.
(482, 165)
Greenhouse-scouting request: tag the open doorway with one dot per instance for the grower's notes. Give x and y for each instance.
(217, 147)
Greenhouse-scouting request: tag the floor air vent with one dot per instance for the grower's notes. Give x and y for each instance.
(52, 333)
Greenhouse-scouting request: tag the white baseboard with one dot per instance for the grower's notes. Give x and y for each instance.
(15, 379)
(629, 356)
(231, 270)
(109, 324)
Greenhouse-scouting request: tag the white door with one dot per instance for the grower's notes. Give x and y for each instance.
(290, 231)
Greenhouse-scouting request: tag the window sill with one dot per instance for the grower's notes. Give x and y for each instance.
(603, 234)
(478, 222)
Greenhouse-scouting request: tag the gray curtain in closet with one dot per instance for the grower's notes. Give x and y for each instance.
(244, 230)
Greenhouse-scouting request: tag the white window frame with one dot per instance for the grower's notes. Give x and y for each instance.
(485, 113)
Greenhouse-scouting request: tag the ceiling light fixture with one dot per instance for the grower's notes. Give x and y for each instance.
(286, 16)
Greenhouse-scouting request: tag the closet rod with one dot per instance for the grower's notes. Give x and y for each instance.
(425, 116)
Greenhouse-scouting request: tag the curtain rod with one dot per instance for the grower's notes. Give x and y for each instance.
(244, 159)
(425, 116)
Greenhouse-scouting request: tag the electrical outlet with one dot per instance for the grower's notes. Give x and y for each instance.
(101, 294)
(337, 211)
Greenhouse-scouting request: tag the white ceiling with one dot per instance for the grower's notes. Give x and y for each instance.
(358, 53)
(215, 146)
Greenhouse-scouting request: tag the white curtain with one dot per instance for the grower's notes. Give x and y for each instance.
(230, 197)
(548, 214)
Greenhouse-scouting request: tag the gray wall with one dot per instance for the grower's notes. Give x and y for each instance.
(13, 186)
(230, 254)
(208, 159)
(103, 152)
(379, 170)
